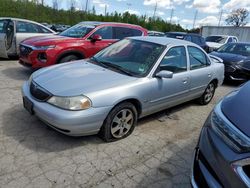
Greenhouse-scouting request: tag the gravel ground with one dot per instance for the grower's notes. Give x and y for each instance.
(157, 154)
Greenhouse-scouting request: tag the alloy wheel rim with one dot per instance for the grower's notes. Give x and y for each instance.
(122, 123)
(209, 93)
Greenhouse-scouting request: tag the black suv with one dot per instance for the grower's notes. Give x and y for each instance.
(192, 37)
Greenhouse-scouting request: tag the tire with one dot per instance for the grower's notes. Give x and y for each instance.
(119, 123)
(68, 58)
(208, 94)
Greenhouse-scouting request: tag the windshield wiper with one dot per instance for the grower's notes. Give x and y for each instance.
(119, 68)
(98, 62)
(111, 65)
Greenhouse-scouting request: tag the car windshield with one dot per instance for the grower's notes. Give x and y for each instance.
(235, 48)
(217, 39)
(130, 56)
(77, 31)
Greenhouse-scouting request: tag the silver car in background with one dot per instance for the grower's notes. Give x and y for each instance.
(128, 80)
(15, 30)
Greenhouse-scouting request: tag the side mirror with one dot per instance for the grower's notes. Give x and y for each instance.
(164, 74)
(95, 38)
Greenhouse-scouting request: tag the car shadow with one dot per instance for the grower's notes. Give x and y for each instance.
(167, 113)
(174, 166)
(232, 83)
(17, 73)
(36, 135)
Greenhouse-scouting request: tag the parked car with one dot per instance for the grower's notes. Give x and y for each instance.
(192, 37)
(15, 30)
(132, 78)
(236, 57)
(78, 42)
(59, 27)
(216, 41)
(156, 34)
(222, 155)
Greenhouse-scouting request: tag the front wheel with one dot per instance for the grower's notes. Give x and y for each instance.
(68, 58)
(208, 94)
(120, 122)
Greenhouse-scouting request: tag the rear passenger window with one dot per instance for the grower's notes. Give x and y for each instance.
(198, 59)
(123, 32)
(196, 40)
(105, 32)
(26, 27)
(175, 60)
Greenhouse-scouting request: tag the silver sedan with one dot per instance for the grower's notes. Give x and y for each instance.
(132, 78)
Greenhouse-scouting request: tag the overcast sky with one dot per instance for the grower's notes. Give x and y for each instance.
(208, 11)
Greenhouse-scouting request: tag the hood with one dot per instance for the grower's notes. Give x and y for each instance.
(79, 77)
(47, 40)
(229, 57)
(213, 44)
(237, 107)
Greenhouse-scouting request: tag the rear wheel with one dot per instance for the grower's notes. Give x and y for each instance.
(120, 122)
(208, 94)
(68, 58)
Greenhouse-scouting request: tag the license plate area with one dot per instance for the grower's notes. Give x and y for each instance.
(28, 105)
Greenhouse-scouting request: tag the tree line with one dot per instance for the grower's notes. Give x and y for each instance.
(33, 10)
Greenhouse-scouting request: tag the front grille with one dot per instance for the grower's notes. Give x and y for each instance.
(246, 169)
(25, 50)
(229, 68)
(38, 92)
(198, 175)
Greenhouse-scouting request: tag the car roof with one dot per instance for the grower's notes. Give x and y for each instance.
(96, 23)
(163, 40)
(221, 36)
(173, 32)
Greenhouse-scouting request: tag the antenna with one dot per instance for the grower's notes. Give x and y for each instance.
(195, 17)
(171, 15)
(105, 9)
(220, 17)
(155, 9)
(87, 4)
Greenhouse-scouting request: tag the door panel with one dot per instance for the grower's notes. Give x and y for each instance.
(172, 91)
(6, 37)
(200, 70)
(3, 50)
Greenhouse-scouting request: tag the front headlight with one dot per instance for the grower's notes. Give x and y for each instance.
(71, 103)
(45, 47)
(232, 136)
(30, 79)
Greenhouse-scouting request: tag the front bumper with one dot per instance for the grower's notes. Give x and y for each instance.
(73, 123)
(31, 57)
(213, 162)
(236, 73)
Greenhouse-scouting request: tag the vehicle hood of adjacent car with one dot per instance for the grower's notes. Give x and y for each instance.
(237, 109)
(229, 57)
(47, 40)
(76, 78)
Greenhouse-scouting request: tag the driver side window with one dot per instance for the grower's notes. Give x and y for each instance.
(175, 60)
(105, 32)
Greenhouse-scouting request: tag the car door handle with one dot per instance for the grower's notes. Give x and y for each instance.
(184, 81)
(110, 43)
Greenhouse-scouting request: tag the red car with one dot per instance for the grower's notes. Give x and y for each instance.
(78, 42)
